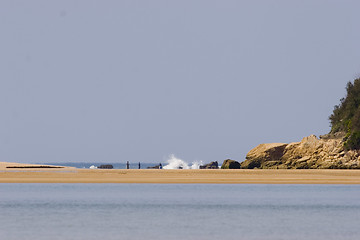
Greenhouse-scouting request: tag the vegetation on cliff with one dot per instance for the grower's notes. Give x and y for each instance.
(346, 116)
(340, 149)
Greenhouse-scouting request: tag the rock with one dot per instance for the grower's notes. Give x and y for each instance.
(155, 167)
(230, 164)
(212, 165)
(106, 166)
(311, 152)
(264, 154)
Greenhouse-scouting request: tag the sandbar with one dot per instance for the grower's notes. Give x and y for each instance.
(181, 176)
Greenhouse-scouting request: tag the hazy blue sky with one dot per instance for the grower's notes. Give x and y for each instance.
(113, 81)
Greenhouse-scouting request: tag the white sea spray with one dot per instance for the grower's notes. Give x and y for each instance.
(177, 163)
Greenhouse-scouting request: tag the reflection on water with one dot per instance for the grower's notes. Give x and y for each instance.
(178, 211)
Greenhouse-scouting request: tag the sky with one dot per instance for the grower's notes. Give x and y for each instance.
(116, 81)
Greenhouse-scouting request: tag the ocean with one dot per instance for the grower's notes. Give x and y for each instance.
(179, 211)
(116, 165)
(172, 163)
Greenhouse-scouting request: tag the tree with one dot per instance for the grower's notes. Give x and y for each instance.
(346, 116)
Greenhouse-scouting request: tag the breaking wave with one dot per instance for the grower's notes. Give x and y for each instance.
(177, 163)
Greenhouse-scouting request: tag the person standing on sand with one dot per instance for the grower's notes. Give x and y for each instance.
(139, 165)
(160, 166)
(127, 165)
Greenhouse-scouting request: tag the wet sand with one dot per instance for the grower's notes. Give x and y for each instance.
(217, 176)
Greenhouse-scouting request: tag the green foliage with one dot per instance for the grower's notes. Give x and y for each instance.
(346, 116)
(353, 142)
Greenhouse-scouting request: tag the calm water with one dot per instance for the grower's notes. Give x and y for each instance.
(154, 211)
(116, 165)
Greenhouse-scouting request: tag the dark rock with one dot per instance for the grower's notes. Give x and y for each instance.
(212, 165)
(106, 166)
(154, 167)
(230, 164)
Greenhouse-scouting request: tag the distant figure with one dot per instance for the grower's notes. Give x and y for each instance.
(139, 165)
(160, 166)
(127, 165)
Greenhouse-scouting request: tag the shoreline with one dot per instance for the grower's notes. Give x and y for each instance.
(181, 176)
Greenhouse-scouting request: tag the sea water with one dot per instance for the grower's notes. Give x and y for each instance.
(179, 211)
(116, 165)
(172, 162)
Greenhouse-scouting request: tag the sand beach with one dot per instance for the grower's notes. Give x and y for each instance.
(33, 173)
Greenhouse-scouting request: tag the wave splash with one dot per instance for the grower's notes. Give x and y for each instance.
(177, 163)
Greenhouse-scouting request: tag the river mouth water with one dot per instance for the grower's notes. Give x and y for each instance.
(179, 211)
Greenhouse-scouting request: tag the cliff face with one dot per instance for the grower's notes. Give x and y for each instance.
(311, 152)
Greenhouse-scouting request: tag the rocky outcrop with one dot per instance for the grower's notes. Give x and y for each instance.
(212, 165)
(156, 167)
(230, 164)
(264, 154)
(312, 152)
(106, 166)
